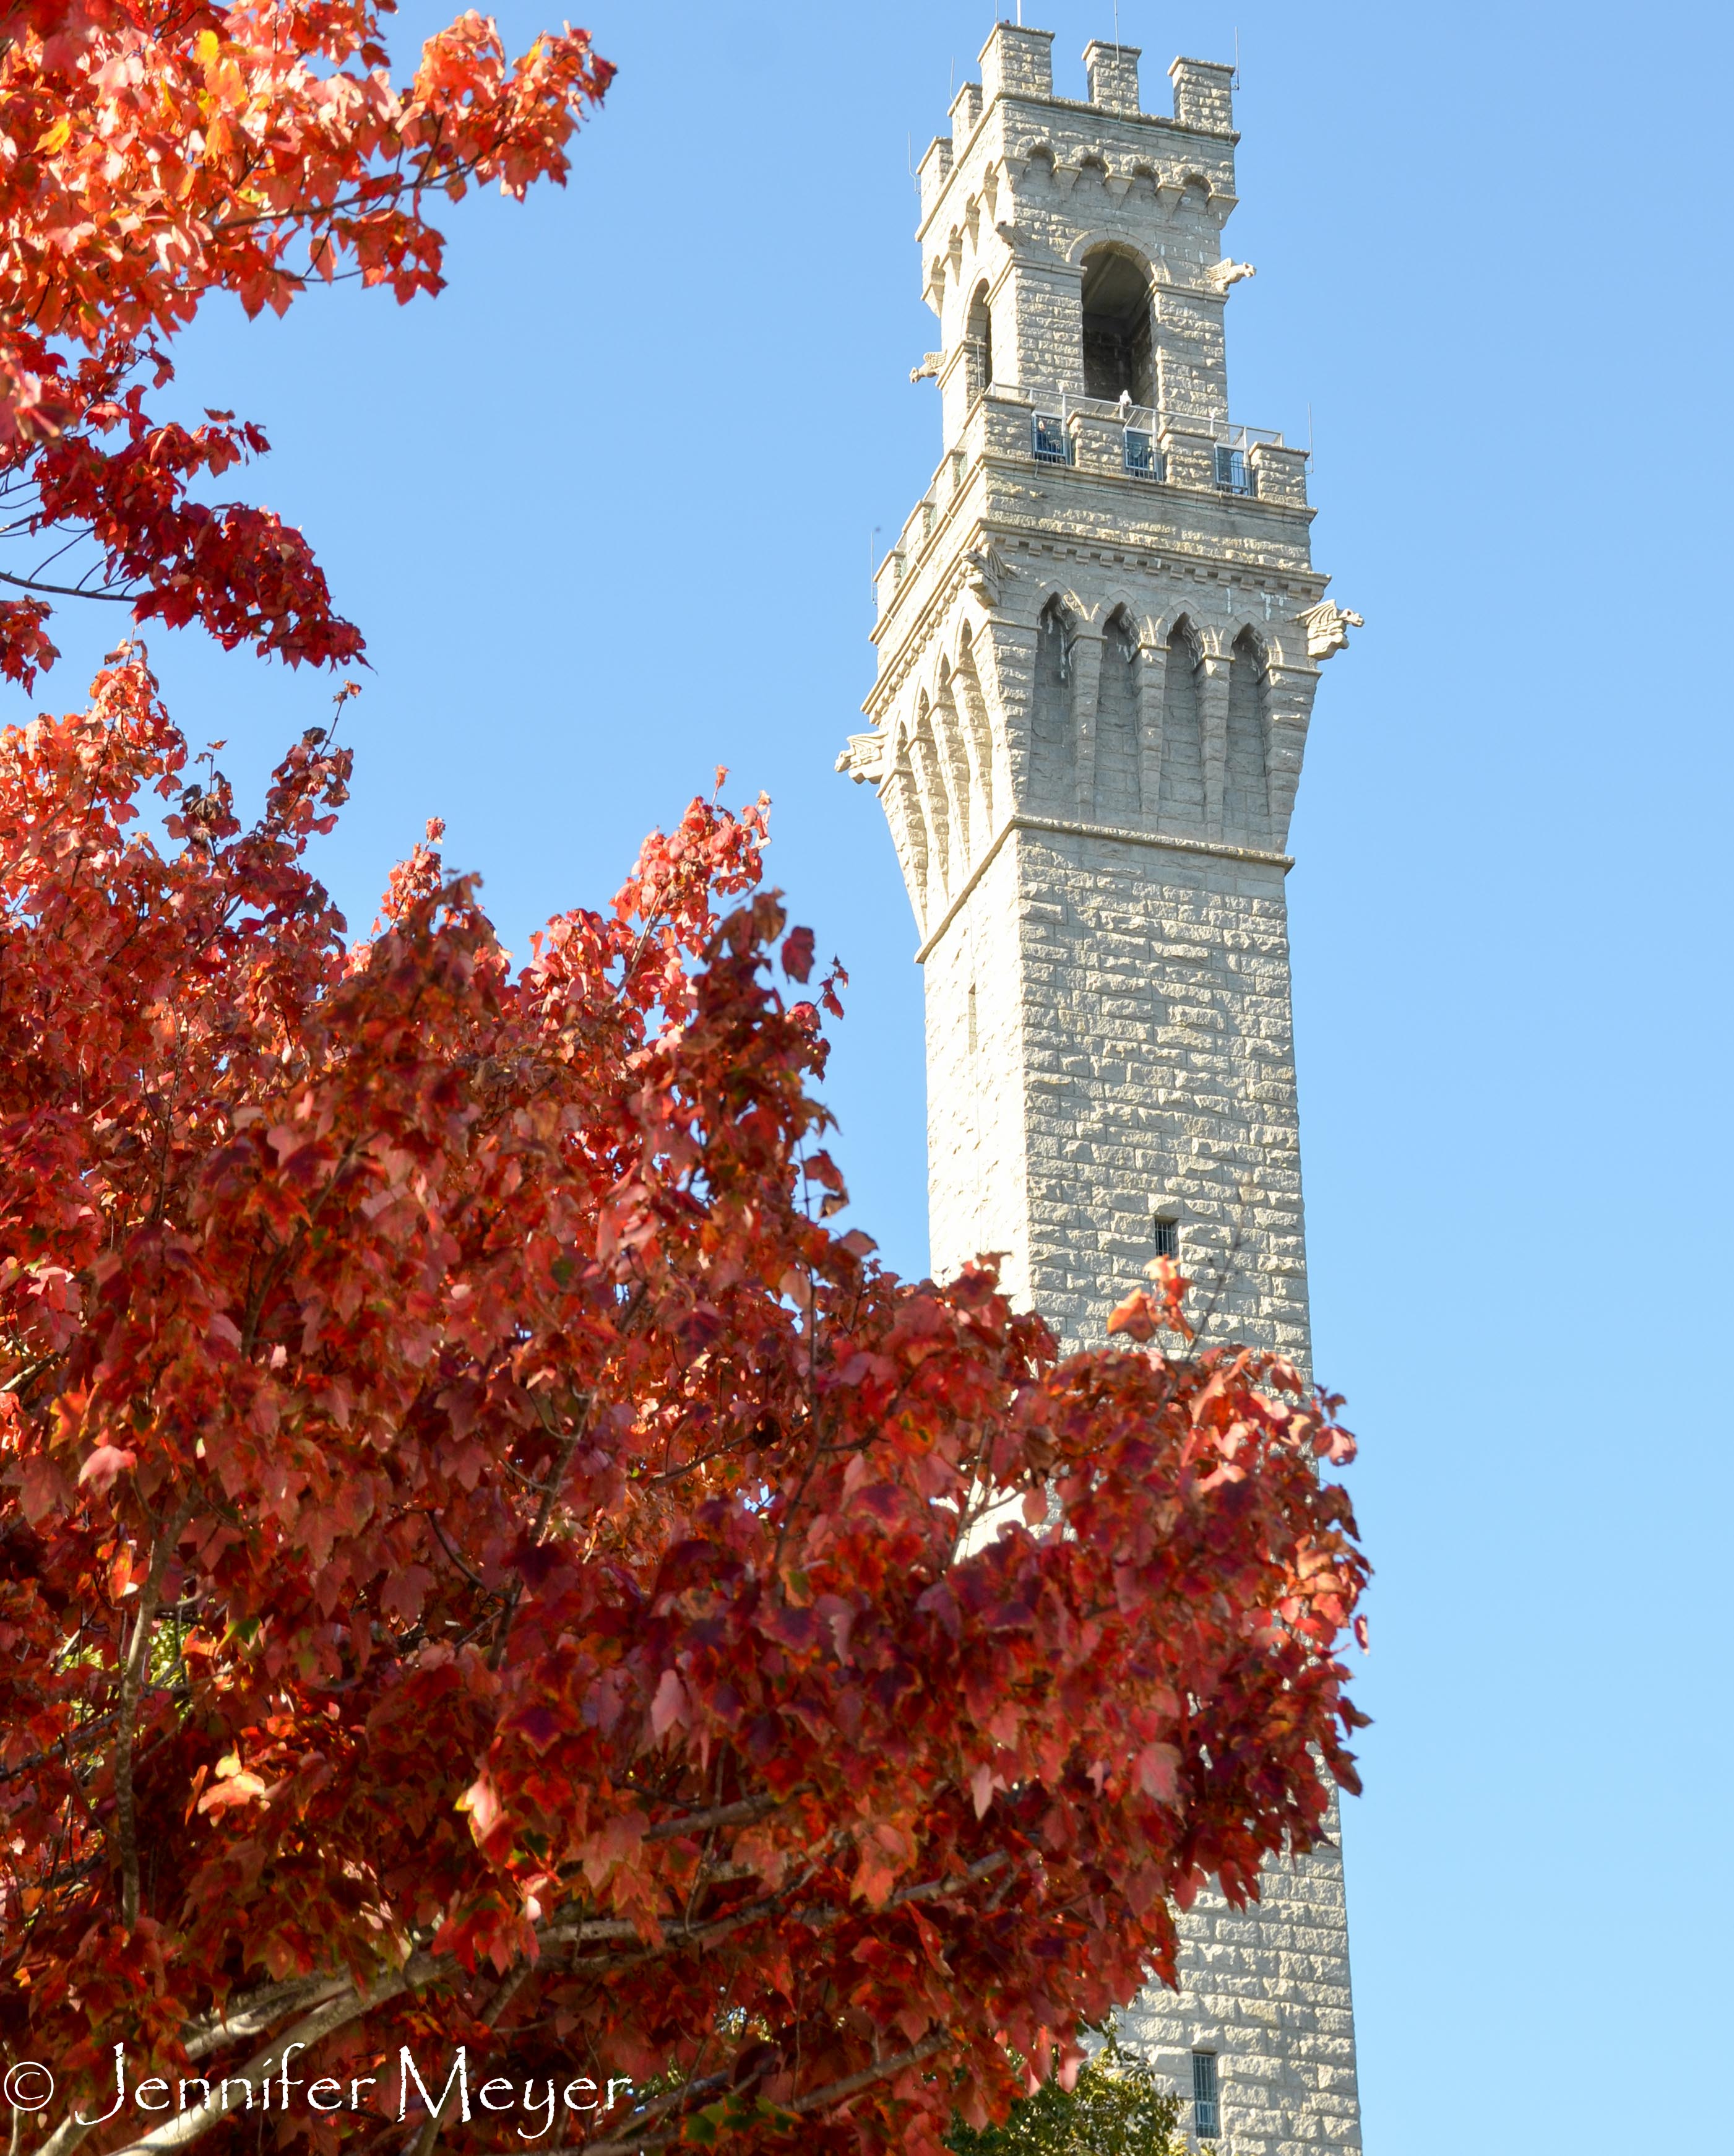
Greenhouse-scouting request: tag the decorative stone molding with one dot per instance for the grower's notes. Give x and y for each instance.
(1078, 828)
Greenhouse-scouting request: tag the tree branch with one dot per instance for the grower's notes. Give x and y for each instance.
(743, 1814)
(639, 2144)
(335, 2013)
(138, 1655)
(67, 591)
(254, 2015)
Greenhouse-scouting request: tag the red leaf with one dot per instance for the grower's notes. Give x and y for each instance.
(105, 1464)
(797, 953)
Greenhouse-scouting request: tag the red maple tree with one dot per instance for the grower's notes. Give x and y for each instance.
(153, 152)
(482, 1561)
(486, 1567)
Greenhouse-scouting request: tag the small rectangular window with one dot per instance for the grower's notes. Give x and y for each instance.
(1167, 1246)
(1048, 438)
(1142, 459)
(1207, 2123)
(1231, 470)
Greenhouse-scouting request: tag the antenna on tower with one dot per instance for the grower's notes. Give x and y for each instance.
(1237, 56)
(1116, 28)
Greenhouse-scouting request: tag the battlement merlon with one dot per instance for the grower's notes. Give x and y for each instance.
(1018, 60)
(1112, 72)
(1017, 65)
(1204, 95)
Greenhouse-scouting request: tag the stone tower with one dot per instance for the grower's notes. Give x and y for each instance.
(1099, 637)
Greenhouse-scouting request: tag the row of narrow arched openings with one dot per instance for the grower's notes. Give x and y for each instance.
(943, 779)
(1130, 757)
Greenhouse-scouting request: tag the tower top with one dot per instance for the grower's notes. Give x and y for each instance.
(1072, 247)
(1018, 66)
(1072, 250)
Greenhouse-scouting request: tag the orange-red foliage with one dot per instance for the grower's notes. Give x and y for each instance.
(476, 1547)
(153, 152)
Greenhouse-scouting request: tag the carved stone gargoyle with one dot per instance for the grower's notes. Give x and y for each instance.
(1327, 628)
(929, 367)
(985, 572)
(864, 758)
(1225, 273)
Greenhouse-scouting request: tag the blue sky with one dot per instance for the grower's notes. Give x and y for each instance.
(605, 512)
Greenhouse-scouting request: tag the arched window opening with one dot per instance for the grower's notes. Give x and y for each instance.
(1182, 792)
(979, 343)
(1246, 799)
(954, 751)
(1117, 330)
(972, 710)
(1118, 793)
(909, 827)
(929, 780)
(1051, 732)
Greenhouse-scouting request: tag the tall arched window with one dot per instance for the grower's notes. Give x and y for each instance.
(931, 781)
(1182, 804)
(979, 343)
(1246, 797)
(1051, 765)
(1116, 328)
(908, 825)
(1117, 790)
(972, 710)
